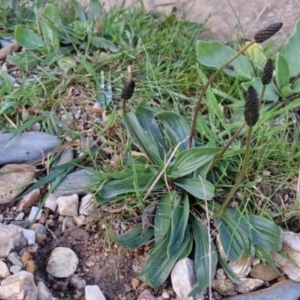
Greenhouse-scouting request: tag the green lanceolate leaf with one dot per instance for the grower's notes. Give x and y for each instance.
(24, 61)
(115, 188)
(231, 275)
(206, 257)
(179, 219)
(162, 218)
(282, 72)
(176, 128)
(159, 265)
(134, 238)
(27, 38)
(147, 141)
(260, 231)
(148, 122)
(214, 55)
(291, 52)
(51, 13)
(200, 188)
(233, 240)
(190, 160)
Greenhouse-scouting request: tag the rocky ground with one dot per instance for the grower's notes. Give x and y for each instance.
(63, 251)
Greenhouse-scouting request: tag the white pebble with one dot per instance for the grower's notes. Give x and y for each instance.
(29, 236)
(35, 213)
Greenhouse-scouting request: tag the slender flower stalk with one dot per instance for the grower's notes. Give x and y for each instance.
(261, 36)
(251, 115)
(266, 78)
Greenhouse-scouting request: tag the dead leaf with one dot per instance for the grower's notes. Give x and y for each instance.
(9, 49)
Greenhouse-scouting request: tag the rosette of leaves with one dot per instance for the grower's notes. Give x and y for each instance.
(178, 174)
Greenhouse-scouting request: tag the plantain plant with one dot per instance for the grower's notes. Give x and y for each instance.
(172, 176)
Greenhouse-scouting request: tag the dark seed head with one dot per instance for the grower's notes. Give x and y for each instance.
(251, 107)
(267, 73)
(128, 90)
(265, 33)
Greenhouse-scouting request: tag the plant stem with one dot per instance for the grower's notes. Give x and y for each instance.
(238, 131)
(134, 132)
(222, 209)
(208, 83)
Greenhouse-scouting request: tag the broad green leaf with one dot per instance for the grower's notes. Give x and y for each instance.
(24, 61)
(115, 188)
(231, 275)
(162, 217)
(148, 122)
(291, 52)
(27, 38)
(66, 63)
(296, 86)
(158, 265)
(176, 127)
(256, 54)
(147, 141)
(201, 189)
(261, 231)
(6, 105)
(100, 42)
(134, 238)
(271, 90)
(233, 240)
(206, 257)
(282, 72)
(79, 10)
(214, 54)
(187, 161)
(51, 13)
(94, 10)
(179, 219)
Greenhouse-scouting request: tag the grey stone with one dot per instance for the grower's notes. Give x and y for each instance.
(43, 292)
(23, 224)
(286, 289)
(11, 239)
(15, 259)
(29, 236)
(77, 182)
(4, 272)
(247, 285)
(263, 272)
(290, 247)
(15, 269)
(87, 205)
(13, 180)
(25, 147)
(51, 202)
(65, 156)
(68, 205)
(19, 286)
(28, 200)
(62, 262)
(78, 282)
(183, 278)
(35, 214)
(93, 292)
(146, 295)
(242, 267)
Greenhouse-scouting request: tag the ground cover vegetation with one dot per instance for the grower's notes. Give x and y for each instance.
(187, 136)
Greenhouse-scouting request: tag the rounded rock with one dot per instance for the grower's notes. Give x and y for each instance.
(62, 263)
